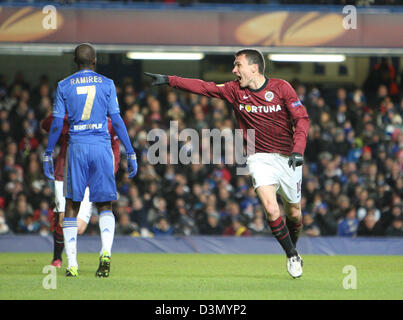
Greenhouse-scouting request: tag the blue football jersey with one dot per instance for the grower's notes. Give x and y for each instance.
(87, 98)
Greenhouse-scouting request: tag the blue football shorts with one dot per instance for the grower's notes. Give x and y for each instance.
(90, 165)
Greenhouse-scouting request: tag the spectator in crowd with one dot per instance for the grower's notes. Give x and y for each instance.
(185, 224)
(18, 209)
(162, 227)
(231, 212)
(44, 215)
(309, 227)
(27, 224)
(369, 227)
(342, 205)
(156, 209)
(388, 216)
(396, 228)
(126, 226)
(237, 228)
(258, 226)
(325, 220)
(212, 225)
(349, 225)
(138, 213)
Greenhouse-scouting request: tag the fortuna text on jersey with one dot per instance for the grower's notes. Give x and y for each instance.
(265, 109)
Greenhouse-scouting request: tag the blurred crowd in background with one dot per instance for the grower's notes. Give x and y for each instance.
(352, 179)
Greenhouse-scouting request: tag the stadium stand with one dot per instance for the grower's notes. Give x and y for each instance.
(352, 180)
(353, 183)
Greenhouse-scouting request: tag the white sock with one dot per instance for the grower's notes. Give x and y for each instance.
(70, 240)
(107, 229)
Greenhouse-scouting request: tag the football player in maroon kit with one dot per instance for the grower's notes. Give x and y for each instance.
(85, 211)
(280, 122)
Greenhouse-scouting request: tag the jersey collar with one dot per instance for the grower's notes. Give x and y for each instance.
(262, 87)
(80, 71)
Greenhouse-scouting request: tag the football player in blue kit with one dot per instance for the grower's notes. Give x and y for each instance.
(88, 98)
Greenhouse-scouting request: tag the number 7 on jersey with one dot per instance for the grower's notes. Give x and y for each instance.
(90, 91)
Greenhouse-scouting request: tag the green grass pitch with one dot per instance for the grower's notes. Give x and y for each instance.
(203, 277)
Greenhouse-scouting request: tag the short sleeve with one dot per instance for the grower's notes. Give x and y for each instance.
(113, 104)
(59, 107)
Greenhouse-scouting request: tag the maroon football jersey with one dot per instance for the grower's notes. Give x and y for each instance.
(274, 111)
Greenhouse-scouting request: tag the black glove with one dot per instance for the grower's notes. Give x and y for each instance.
(296, 160)
(158, 79)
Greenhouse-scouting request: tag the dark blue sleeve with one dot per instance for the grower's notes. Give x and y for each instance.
(120, 129)
(54, 133)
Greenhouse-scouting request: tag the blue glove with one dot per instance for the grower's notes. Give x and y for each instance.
(132, 164)
(48, 166)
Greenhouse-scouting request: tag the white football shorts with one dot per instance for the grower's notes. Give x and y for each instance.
(86, 206)
(272, 169)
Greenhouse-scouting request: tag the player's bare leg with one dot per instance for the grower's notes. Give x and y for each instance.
(268, 198)
(294, 220)
(81, 226)
(107, 230)
(70, 231)
(85, 212)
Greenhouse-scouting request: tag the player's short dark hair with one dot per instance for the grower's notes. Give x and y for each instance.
(253, 56)
(84, 55)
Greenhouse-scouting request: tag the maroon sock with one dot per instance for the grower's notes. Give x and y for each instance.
(295, 229)
(58, 241)
(280, 231)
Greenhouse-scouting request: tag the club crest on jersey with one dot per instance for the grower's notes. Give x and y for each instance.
(269, 96)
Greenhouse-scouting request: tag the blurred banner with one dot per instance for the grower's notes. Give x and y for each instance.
(189, 27)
